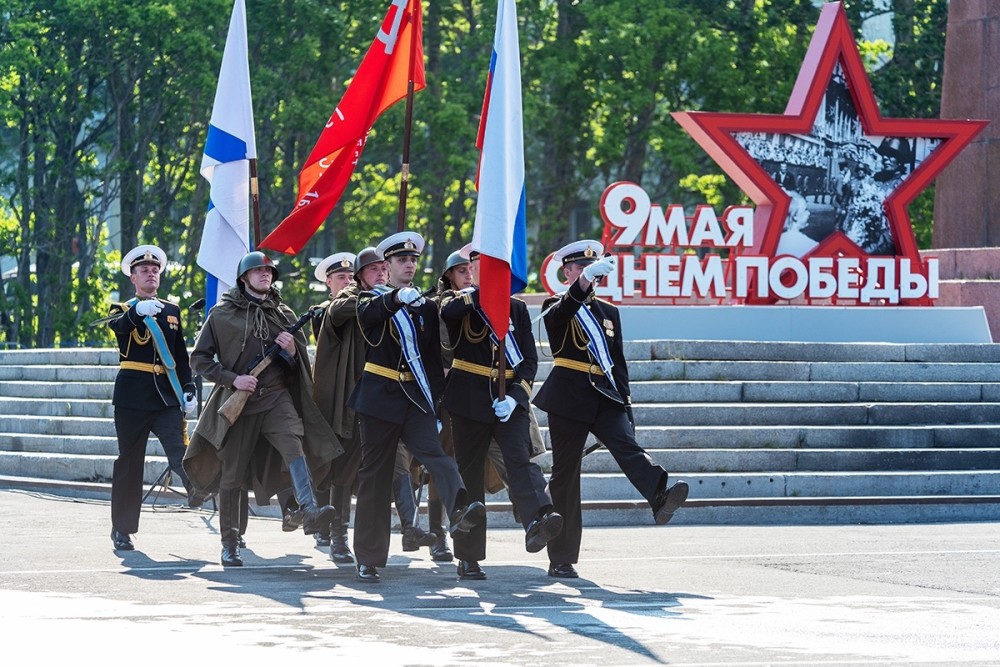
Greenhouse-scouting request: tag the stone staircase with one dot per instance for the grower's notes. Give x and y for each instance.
(763, 432)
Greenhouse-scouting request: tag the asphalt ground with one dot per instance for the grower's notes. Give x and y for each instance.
(672, 595)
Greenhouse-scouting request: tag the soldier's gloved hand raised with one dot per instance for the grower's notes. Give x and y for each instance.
(601, 267)
(505, 408)
(410, 296)
(148, 307)
(189, 403)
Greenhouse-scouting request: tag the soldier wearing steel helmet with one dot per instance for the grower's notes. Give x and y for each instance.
(280, 439)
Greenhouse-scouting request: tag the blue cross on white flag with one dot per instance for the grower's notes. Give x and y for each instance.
(226, 164)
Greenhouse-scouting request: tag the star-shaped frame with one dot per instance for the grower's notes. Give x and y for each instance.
(852, 133)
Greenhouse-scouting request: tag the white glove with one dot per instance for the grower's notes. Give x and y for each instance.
(601, 267)
(189, 403)
(505, 408)
(410, 296)
(149, 307)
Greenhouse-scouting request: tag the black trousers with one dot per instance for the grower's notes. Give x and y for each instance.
(379, 440)
(569, 436)
(133, 428)
(526, 484)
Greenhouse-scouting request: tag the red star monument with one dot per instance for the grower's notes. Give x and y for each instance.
(847, 175)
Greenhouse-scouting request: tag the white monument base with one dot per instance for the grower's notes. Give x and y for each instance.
(809, 324)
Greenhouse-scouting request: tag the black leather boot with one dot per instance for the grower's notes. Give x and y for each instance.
(340, 552)
(322, 536)
(229, 526)
(440, 551)
(315, 518)
(406, 507)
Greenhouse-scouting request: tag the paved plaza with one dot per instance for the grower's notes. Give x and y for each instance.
(676, 595)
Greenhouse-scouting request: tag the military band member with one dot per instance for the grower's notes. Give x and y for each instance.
(153, 389)
(396, 399)
(337, 272)
(478, 415)
(280, 434)
(587, 391)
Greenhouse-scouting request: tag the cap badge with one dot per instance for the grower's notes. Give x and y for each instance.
(346, 263)
(589, 252)
(409, 245)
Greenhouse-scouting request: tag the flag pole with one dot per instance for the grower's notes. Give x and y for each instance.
(404, 176)
(502, 369)
(255, 197)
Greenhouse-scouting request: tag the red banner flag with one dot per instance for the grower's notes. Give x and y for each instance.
(395, 58)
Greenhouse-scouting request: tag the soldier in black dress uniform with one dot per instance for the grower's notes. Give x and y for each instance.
(478, 416)
(153, 389)
(587, 391)
(396, 399)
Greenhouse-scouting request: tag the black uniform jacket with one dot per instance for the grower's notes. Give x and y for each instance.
(467, 394)
(388, 398)
(572, 393)
(142, 390)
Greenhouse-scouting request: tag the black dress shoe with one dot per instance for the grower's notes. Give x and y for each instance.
(469, 569)
(667, 500)
(322, 539)
(121, 541)
(563, 571)
(466, 518)
(541, 531)
(368, 574)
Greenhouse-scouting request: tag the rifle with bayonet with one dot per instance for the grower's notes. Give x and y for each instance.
(233, 407)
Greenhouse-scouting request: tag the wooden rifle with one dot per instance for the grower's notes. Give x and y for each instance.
(234, 405)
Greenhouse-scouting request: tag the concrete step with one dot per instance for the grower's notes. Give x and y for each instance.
(804, 371)
(610, 486)
(794, 414)
(76, 468)
(816, 436)
(791, 460)
(813, 392)
(60, 444)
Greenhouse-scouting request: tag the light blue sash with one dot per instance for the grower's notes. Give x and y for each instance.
(163, 350)
(511, 350)
(411, 352)
(596, 342)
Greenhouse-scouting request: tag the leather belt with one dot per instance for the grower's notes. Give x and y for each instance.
(260, 391)
(156, 369)
(479, 369)
(574, 365)
(401, 376)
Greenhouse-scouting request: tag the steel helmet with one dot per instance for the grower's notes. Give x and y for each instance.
(253, 260)
(367, 256)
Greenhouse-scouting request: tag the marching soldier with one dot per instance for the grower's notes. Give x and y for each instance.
(478, 415)
(340, 357)
(396, 399)
(337, 272)
(587, 391)
(153, 389)
(280, 427)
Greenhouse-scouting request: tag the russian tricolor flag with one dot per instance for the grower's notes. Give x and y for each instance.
(500, 233)
(226, 165)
